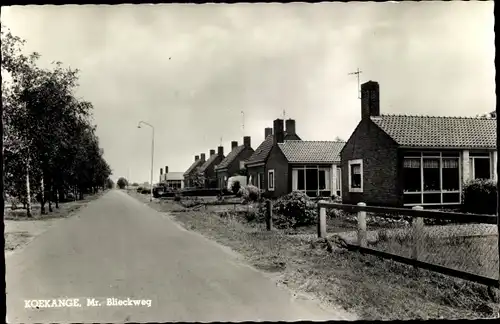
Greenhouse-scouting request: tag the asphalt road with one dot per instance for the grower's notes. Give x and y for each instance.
(117, 247)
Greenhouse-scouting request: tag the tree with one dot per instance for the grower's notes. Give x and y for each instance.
(122, 183)
(110, 183)
(48, 135)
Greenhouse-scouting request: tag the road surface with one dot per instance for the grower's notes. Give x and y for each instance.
(117, 247)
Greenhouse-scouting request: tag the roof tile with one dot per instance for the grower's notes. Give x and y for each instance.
(230, 157)
(193, 166)
(262, 152)
(312, 151)
(439, 132)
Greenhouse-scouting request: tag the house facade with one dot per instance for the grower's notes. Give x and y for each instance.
(172, 180)
(191, 174)
(398, 160)
(234, 163)
(256, 164)
(207, 169)
(311, 167)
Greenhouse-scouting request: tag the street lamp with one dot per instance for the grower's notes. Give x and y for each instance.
(152, 153)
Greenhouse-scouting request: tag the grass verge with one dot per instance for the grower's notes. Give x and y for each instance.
(373, 288)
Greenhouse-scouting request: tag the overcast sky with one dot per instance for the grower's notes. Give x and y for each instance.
(190, 70)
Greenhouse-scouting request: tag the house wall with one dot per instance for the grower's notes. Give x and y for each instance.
(220, 178)
(210, 175)
(381, 179)
(254, 171)
(234, 166)
(282, 174)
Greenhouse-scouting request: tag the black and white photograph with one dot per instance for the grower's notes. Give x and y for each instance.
(248, 162)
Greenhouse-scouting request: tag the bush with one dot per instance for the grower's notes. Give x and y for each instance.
(480, 197)
(294, 210)
(139, 189)
(250, 193)
(177, 197)
(235, 188)
(146, 191)
(200, 192)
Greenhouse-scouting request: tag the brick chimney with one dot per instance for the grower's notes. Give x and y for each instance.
(290, 126)
(212, 152)
(220, 150)
(246, 141)
(268, 131)
(233, 145)
(279, 132)
(166, 169)
(370, 99)
(161, 171)
(202, 156)
(196, 158)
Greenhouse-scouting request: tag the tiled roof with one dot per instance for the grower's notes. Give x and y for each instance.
(439, 132)
(312, 151)
(192, 167)
(174, 176)
(262, 152)
(208, 163)
(230, 157)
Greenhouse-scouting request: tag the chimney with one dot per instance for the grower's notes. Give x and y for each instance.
(290, 126)
(233, 144)
(246, 141)
(220, 150)
(196, 158)
(166, 169)
(268, 131)
(161, 171)
(202, 157)
(279, 133)
(212, 152)
(370, 99)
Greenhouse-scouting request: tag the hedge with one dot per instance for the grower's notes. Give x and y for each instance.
(480, 197)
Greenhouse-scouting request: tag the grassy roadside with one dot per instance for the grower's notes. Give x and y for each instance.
(20, 230)
(373, 288)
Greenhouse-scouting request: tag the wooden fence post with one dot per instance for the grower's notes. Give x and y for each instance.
(362, 226)
(417, 235)
(269, 215)
(321, 220)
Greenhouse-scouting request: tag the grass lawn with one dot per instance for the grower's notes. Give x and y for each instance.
(372, 288)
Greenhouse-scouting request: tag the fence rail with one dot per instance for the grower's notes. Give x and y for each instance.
(424, 243)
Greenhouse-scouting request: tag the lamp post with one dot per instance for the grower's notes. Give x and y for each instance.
(152, 153)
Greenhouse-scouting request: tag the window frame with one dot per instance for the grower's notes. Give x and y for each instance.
(317, 168)
(441, 155)
(352, 163)
(269, 173)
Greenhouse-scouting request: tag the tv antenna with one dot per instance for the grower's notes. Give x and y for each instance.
(284, 114)
(357, 73)
(243, 121)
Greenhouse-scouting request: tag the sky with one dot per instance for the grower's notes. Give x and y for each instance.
(202, 73)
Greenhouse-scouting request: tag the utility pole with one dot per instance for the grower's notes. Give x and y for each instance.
(28, 193)
(357, 73)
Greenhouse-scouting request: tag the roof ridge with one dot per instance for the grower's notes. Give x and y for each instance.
(430, 116)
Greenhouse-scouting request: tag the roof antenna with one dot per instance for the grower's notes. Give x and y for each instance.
(221, 141)
(243, 121)
(357, 73)
(284, 114)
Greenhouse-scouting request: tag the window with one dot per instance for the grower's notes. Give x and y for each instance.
(356, 175)
(270, 180)
(314, 181)
(260, 180)
(339, 181)
(431, 179)
(480, 167)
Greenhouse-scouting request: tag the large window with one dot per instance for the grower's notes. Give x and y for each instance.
(174, 184)
(480, 166)
(339, 181)
(356, 175)
(314, 181)
(431, 178)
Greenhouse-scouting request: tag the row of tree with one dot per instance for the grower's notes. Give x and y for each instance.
(50, 147)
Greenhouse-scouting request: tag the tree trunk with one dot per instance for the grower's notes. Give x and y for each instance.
(49, 197)
(42, 196)
(56, 197)
(28, 194)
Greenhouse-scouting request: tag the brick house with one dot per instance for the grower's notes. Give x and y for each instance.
(190, 174)
(312, 167)
(398, 160)
(234, 161)
(207, 169)
(172, 180)
(256, 164)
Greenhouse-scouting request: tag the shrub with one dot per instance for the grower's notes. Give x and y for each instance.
(139, 189)
(146, 191)
(177, 197)
(480, 197)
(294, 210)
(251, 193)
(235, 187)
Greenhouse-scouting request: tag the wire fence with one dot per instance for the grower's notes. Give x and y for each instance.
(461, 245)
